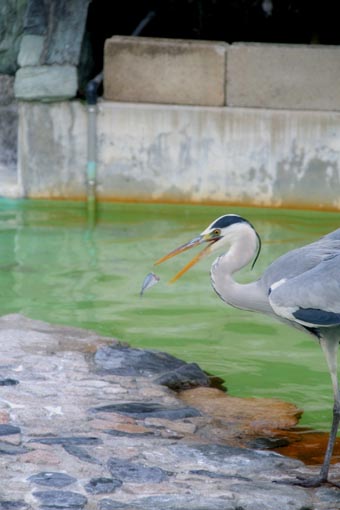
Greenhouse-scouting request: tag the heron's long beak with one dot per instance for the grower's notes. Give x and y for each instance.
(187, 246)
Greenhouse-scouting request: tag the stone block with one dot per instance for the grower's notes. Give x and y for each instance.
(67, 20)
(12, 14)
(31, 48)
(6, 89)
(283, 76)
(46, 83)
(148, 70)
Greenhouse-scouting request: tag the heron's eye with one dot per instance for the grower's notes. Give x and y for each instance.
(216, 232)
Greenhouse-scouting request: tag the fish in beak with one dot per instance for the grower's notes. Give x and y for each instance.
(210, 238)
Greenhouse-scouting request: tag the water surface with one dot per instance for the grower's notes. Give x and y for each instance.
(53, 267)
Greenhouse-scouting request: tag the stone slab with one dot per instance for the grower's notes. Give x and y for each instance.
(140, 69)
(31, 48)
(283, 76)
(46, 83)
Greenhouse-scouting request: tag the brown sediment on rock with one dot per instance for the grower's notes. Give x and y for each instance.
(259, 423)
(308, 445)
(242, 419)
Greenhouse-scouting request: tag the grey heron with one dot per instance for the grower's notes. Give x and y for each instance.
(300, 288)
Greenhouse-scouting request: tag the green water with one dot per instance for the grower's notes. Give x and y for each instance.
(54, 268)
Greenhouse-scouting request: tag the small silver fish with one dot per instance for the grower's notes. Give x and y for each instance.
(149, 281)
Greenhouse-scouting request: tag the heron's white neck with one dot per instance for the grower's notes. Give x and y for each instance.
(243, 247)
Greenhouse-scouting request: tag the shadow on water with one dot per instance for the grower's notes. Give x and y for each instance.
(58, 265)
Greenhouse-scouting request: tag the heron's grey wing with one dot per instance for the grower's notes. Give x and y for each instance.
(311, 298)
(301, 260)
(335, 235)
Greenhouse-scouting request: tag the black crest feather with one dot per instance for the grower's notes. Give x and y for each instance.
(231, 219)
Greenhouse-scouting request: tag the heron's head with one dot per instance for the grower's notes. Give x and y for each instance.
(220, 233)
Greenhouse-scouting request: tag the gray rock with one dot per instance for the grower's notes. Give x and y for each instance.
(236, 461)
(267, 443)
(250, 496)
(46, 83)
(60, 499)
(52, 479)
(214, 474)
(110, 504)
(123, 433)
(31, 48)
(266, 496)
(80, 453)
(69, 440)
(126, 361)
(178, 502)
(14, 505)
(168, 370)
(10, 449)
(61, 23)
(189, 375)
(8, 430)
(329, 496)
(141, 410)
(36, 17)
(127, 471)
(8, 382)
(102, 485)
(11, 27)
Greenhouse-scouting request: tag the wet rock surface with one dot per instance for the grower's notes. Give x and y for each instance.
(166, 369)
(75, 434)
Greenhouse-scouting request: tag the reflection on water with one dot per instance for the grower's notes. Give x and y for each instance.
(52, 267)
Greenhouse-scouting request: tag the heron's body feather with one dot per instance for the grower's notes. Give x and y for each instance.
(307, 278)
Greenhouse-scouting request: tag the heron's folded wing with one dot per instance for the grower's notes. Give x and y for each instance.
(311, 298)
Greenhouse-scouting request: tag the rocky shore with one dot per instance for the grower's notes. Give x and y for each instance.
(88, 423)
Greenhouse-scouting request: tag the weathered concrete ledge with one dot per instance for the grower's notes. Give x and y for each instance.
(151, 70)
(206, 73)
(300, 77)
(181, 153)
(86, 423)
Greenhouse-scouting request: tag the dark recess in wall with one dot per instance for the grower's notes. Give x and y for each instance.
(276, 21)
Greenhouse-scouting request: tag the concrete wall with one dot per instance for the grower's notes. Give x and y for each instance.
(183, 153)
(264, 128)
(8, 138)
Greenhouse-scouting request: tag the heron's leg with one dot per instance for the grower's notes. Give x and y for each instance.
(330, 348)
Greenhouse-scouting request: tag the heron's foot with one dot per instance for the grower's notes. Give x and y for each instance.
(315, 481)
